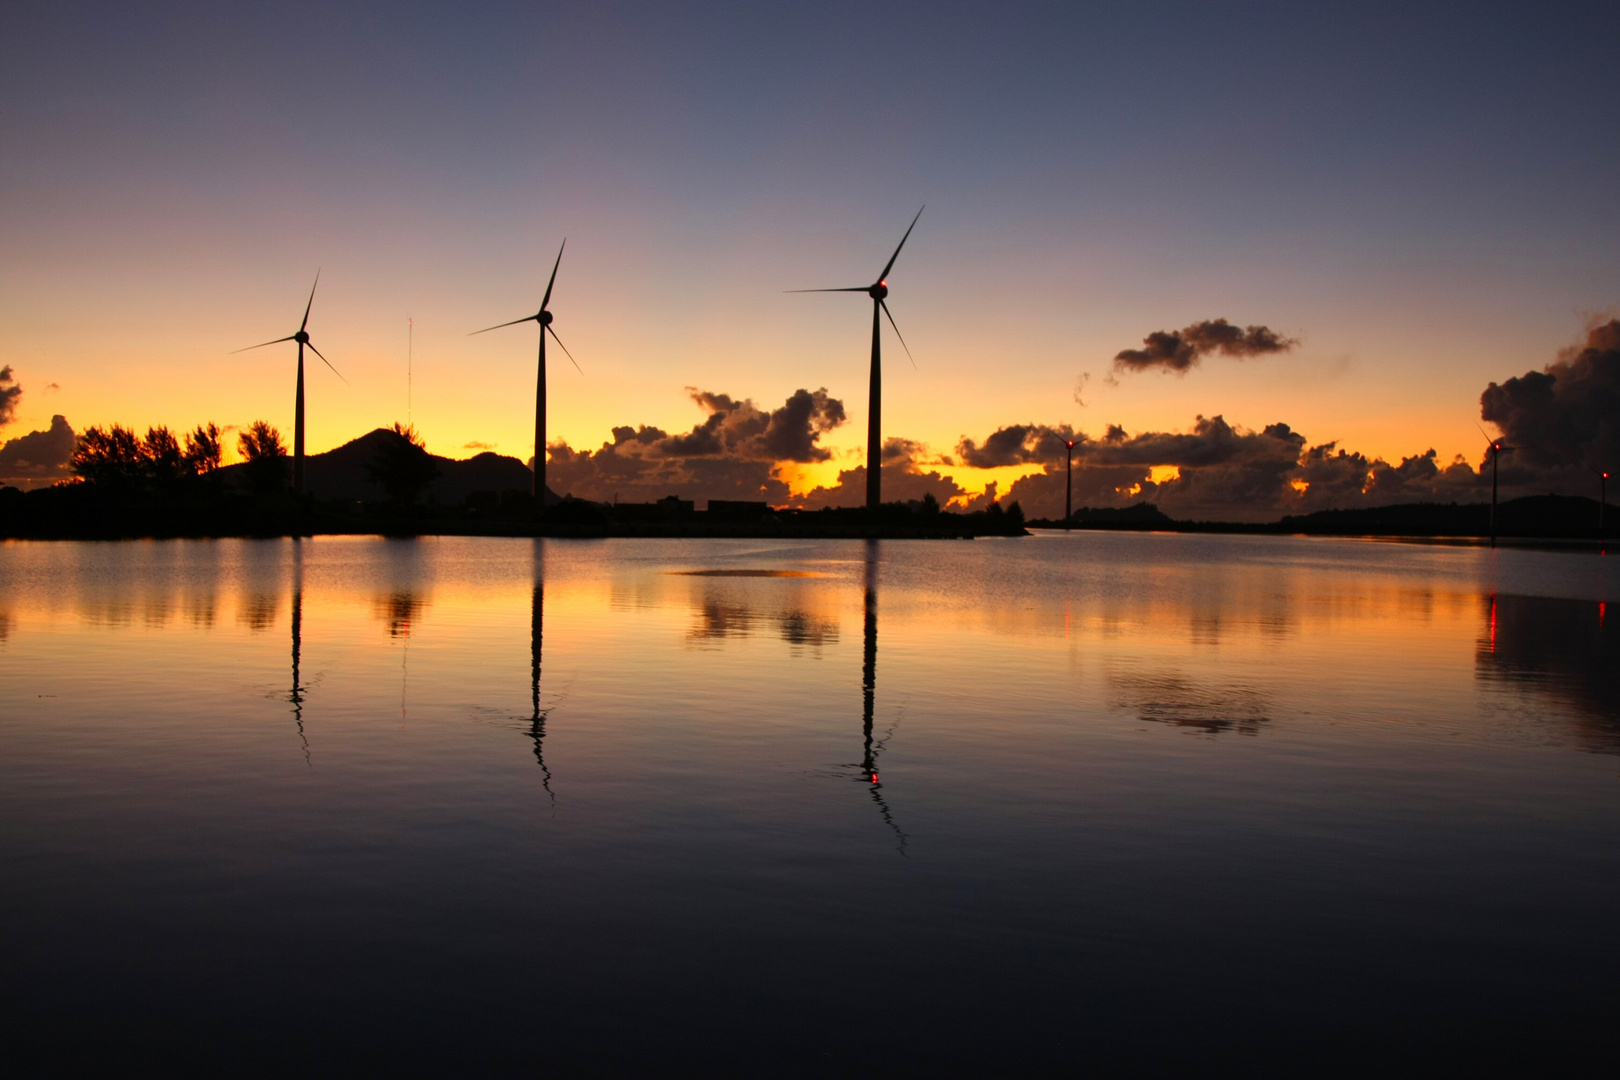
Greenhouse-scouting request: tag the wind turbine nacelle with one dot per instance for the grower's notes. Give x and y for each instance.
(545, 318)
(302, 337)
(878, 291)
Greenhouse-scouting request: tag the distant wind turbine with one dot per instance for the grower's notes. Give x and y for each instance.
(543, 317)
(302, 337)
(878, 290)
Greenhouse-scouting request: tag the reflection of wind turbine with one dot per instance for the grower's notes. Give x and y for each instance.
(302, 337)
(1495, 448)
(537, 722)
(543, 317)
(870, 750)
(297, 695)
(878, 290)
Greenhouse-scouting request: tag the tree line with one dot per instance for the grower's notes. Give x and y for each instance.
(115, 457)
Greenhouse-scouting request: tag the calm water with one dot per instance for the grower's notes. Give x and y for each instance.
(749, 807)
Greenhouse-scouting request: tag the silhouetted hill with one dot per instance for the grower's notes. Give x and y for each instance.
(340, 473)
(1540, 516)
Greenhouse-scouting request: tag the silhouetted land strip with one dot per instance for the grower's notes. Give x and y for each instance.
(91, 511)
(1533, 517)
(387, 482)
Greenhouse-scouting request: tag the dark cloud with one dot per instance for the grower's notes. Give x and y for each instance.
(906, 477)
(1563, 421)
(740, 429)
(1019, 444)
(1181, 350)
(1224, 472)
(10, 392)
(732, 454)
(40, 456)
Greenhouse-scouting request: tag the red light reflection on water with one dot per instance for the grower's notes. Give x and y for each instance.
(1493, 622)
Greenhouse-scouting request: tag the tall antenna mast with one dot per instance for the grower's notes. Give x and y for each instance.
(410, 342)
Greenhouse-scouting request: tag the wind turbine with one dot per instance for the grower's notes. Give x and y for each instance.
(302, 337)
(543, 317)
(878, 290)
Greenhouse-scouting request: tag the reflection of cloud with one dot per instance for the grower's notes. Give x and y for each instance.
(802, 628)
(257, 611)
(401, 610)
(5, 626)
(1565, 650)
(1170, 698)
(718, 619)
(721, 613)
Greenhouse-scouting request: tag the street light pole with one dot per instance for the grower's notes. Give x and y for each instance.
(1496, 454)
(1068, 494)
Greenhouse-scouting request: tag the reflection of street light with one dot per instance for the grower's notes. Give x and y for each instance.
(1068, 493)
(1603, 501)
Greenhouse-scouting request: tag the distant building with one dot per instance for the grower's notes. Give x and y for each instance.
(674, 504)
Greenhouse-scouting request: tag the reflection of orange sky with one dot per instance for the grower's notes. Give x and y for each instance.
(1310, 647)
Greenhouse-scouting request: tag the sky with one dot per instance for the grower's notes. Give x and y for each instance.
(1423, 197)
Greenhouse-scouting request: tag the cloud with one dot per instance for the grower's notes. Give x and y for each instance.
(732, 454)
(1019, 444)
(906, 477)
(478, 446)
(39, 455)
(10, 392)
(1182, 350)
(1215, 471)
(1563, 421)
(740, 429)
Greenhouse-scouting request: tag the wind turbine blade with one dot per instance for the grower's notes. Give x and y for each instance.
(1488, 440)
(327, 362)
(558, 340)
(547, 298)
(897, 333)
(903, 240)
(278, 341)
(853, 288)
(305, 324)
(497, 326)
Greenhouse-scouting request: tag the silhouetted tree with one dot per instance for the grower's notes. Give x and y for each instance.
(266, 454)
(402, 466)
(164, 462)
(113, 456)
(203, 449)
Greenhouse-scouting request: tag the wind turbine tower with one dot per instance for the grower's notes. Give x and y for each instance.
(543, 317)
(878, 291)
(302, 337)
